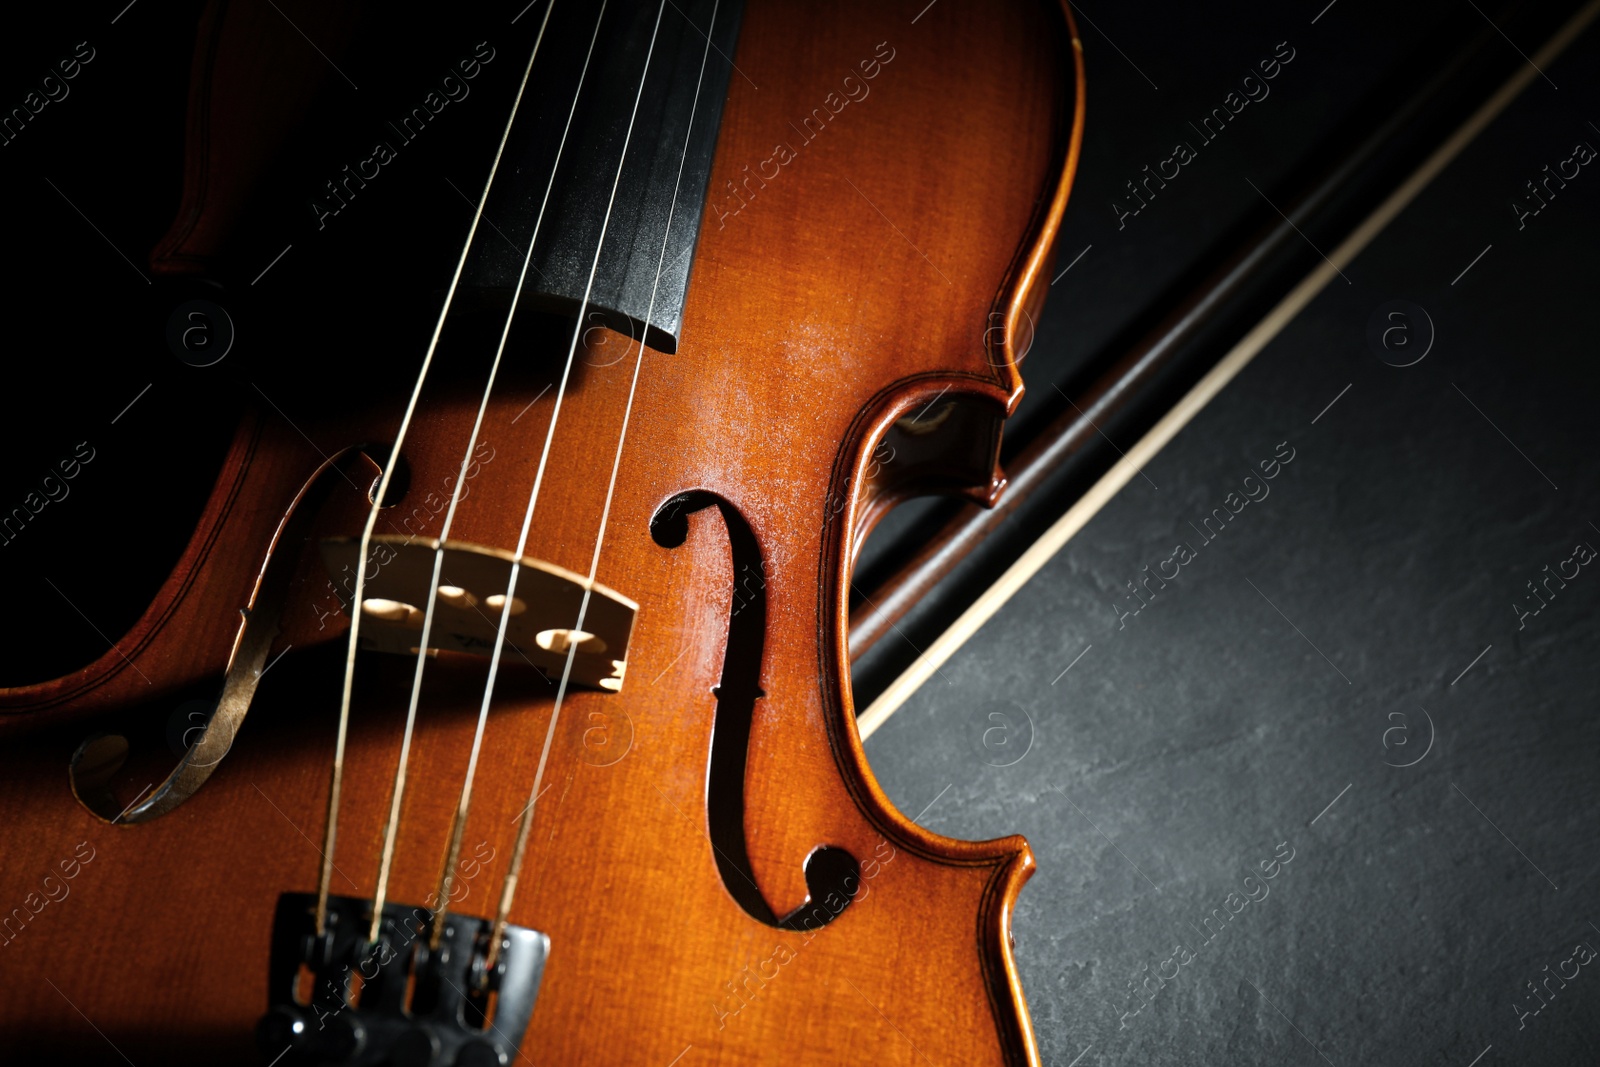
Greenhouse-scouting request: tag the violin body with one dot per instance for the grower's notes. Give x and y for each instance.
(857, 308)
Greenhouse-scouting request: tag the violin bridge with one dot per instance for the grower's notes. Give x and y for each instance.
(542, 625)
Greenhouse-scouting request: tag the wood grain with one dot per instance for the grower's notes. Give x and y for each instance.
(884, 267)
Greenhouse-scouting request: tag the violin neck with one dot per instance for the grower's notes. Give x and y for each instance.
(612, 139)
(612, 142)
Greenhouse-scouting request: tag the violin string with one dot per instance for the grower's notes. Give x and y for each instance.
(462, 808)
(397, 790)
(336, 777)
(513, 872)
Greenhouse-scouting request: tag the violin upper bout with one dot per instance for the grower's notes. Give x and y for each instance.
(237, 120)
(875, 251)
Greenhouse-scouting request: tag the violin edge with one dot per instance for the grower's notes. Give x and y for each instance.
(1021, 294)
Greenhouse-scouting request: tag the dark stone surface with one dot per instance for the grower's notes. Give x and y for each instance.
(1357, 618)
(1340, 72)
(1369, 136)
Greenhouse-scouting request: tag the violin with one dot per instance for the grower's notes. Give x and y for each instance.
(496, 707)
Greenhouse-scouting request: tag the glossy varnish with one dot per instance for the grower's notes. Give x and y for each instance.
(885, 267)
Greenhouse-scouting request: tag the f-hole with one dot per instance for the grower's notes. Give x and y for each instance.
(830, 872)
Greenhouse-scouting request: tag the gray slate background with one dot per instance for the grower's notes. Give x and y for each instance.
(1331, 632)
